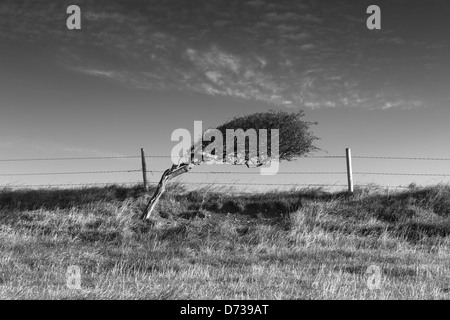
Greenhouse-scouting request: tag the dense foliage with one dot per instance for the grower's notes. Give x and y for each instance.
(295, 136)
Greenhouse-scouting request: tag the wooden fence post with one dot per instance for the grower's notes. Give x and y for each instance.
(144, 169)
(348, 153)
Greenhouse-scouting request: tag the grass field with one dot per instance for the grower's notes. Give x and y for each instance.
(306, 244)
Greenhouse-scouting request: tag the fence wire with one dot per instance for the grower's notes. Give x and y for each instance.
(66, 173)
(226, 172)
(106, 184)
(220, 172)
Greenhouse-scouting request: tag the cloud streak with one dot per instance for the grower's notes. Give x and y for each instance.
(297, 54)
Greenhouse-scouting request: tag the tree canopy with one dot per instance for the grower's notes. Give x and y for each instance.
(295, 136)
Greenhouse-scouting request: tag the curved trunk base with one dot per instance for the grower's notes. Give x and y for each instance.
(169, 174)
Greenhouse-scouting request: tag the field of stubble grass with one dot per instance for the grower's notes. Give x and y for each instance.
(306, 244)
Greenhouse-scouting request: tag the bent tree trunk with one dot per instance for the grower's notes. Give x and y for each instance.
(168, 175)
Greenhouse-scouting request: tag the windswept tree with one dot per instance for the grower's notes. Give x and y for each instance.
(254, 140)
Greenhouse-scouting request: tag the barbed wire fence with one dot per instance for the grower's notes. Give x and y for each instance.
(145, 182)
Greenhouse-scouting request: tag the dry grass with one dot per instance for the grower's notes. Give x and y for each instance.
(292, 245)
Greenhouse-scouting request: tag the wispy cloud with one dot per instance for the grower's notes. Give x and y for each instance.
(296, 54)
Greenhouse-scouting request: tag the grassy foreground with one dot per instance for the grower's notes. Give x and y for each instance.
(306, 244)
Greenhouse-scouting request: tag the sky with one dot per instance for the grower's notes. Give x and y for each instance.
(137, 70)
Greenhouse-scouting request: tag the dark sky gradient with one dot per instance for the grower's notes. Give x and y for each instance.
(140, 69)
